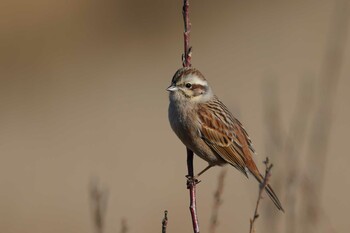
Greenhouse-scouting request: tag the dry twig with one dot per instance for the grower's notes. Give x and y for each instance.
(261, 189)
(186, 56)
(186, 62)
(191, 185)
(165, 221)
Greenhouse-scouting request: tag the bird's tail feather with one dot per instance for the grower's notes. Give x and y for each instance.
(270, 192)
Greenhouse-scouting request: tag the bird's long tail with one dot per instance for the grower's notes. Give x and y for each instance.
(270, 192)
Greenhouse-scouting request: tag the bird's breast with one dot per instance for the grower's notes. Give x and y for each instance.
(183, 122)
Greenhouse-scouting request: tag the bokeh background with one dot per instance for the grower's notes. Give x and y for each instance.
(83, 107)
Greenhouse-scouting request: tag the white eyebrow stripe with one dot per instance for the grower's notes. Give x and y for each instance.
(197, 80)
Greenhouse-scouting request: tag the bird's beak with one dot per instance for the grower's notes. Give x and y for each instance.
(172, 88)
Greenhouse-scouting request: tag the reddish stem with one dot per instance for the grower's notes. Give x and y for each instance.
(186, 57)
(191, 185)
(186, 62)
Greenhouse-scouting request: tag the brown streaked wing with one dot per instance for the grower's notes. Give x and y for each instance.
(225, 134)
(223, 146)
(247, 138)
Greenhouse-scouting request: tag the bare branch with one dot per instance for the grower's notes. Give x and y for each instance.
(186, 62)
(191, 185)
(165, 221)
(262, 186)
(186, 56)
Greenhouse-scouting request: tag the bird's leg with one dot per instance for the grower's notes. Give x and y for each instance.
(192, 180)
(204, 170)
(195, 178)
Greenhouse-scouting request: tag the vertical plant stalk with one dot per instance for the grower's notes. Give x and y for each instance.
(165, 221)
(261, 190)
(191, 185)
(186, 62)
(186, 56)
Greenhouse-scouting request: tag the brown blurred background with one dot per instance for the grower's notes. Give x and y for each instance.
(82, 97)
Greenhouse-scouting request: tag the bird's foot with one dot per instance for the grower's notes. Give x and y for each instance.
(192, 180)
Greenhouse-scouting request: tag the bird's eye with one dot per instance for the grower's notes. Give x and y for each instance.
(188, 85)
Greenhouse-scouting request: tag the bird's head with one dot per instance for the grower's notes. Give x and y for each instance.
(188, 84)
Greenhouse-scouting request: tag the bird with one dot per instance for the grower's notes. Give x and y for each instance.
(207, 127)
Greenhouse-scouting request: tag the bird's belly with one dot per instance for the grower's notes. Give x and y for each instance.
(201, 149)
(187, 132)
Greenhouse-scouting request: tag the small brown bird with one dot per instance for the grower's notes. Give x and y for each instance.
(205, 125)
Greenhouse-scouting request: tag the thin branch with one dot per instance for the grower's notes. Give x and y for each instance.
(186, 62)
(186, 56)
(165, 221)
(191, 185)
(217, 202)
(261, 190)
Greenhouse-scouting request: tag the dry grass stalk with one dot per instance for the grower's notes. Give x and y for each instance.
(165, 221)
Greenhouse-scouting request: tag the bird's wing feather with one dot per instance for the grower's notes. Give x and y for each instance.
(225, 135)
(223, 146)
